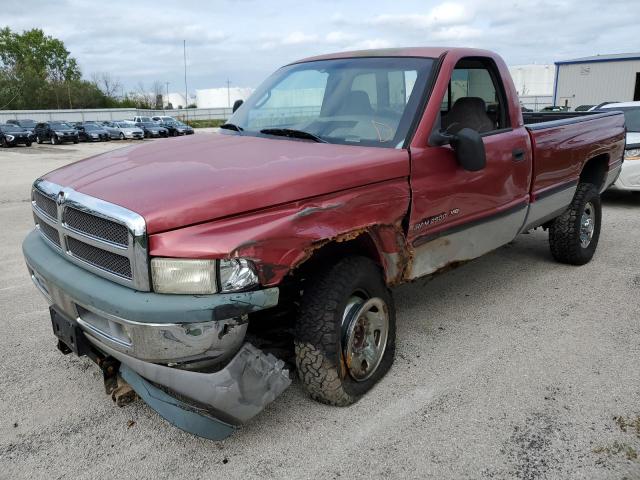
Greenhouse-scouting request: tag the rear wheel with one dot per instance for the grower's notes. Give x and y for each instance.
(345, 335)
(574, 235)
(4, 143)
(28, 144)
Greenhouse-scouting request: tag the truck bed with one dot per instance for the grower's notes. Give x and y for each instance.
(562, 142)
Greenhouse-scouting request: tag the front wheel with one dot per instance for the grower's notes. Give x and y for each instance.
(38, 140)
(573, 236)
(54, 140)
(121, 136)
(345, 335)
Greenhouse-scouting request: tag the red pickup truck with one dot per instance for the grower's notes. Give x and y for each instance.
(340, 177)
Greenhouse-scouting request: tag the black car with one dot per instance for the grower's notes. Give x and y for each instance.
(151, 129)
(12, 135)
(90, 132)
(183, 128)
(55, 132)
(27, 124)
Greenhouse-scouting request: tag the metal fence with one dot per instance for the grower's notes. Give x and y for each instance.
(100, 114)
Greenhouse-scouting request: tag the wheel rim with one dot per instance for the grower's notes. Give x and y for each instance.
(365, 326)
(587, 225)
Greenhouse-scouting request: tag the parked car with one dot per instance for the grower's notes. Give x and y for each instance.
(55, 132)
(629, 178)
(139, 119)
(12, 135)
(163, 119)
(91, 132)
(152, 129)
(555, 108)
(124, 130)
(27, 124)
(600, 105)
(310, 214)
(176, 128)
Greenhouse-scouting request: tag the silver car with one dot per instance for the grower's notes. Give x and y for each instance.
(124, 130)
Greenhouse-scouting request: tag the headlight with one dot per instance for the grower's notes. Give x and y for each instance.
(237, 274)
(632, 154)
(186, 276)
(10, 138)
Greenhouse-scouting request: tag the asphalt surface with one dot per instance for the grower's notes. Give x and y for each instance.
(512, 366)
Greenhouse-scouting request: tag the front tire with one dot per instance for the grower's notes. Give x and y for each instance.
(54, 140)
(345, 334)
(574, 235)
(38, 140)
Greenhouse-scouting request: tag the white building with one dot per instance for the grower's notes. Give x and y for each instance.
(597, 79)
(176, 100)
(534, 84)
(221, 97)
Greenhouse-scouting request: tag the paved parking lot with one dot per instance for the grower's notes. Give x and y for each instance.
(512, 366)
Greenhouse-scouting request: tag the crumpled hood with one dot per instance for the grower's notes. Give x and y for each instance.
(188, 180)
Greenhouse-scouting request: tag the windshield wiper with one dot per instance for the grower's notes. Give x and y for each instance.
(292, 133)
(231, 126)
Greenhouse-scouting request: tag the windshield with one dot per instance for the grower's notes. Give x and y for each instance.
(362, 101)
(59, 126)
(27, 123)
(149, 124)
(632, 119)
(146, 120)
(90, 126)
(11, 128)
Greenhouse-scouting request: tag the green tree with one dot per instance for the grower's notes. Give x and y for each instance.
(37, 70)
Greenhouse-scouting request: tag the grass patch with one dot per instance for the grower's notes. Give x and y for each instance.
(204, 123)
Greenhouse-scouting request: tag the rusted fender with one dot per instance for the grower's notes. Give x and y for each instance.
(281, 238)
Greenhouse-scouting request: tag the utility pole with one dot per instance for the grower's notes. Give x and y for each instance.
(186, 94)
(228, 94)
(167, 95)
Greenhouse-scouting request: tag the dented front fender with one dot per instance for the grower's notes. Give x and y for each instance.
(279, 239)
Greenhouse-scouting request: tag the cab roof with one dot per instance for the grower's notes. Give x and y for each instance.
(426, 52)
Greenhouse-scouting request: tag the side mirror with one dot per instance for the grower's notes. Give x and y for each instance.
(467, 143)
(237, 104)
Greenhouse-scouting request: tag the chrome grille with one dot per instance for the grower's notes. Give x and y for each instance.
(111, 262)
(49, 232)
(46, 204)
(96, 226)
(101, 237)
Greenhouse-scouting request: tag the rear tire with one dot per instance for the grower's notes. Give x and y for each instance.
(339, 355)
(573, 236)
(28, 144)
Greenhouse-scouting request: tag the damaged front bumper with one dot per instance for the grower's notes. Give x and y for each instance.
(183, 354)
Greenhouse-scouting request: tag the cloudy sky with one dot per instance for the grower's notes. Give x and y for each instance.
(244, 40)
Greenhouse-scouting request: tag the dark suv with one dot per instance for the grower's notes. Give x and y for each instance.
(12, 135)
(28, 124)
(55, 132)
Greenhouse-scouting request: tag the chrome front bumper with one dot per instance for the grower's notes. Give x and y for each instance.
(161, 340)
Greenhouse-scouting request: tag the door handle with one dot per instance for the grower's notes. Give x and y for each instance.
(518, 154)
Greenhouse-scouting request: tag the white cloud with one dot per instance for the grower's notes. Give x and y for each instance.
(297, 38)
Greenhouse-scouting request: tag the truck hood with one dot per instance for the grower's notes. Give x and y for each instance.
(188, 180)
